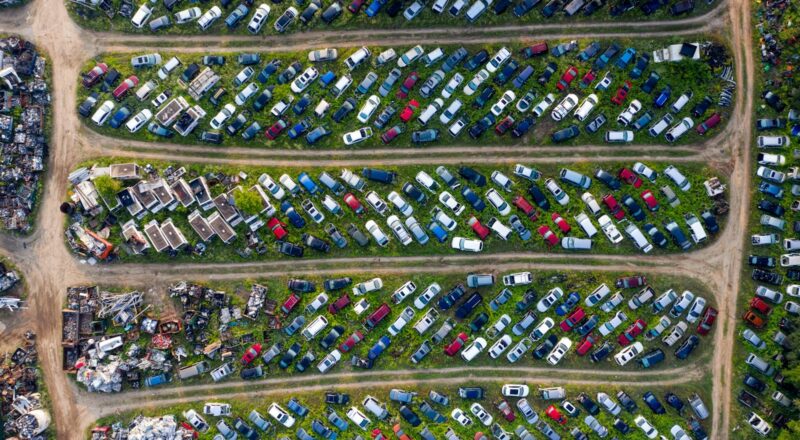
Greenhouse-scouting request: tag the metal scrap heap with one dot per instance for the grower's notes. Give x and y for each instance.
(144, 428)
(20, 402)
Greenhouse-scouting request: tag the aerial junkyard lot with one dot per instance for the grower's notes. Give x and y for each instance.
(538, 93)
(120, 211)
(251, 18)
(315, 324)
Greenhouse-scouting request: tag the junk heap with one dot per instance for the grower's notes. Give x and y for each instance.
(20, 401)
(145, 428)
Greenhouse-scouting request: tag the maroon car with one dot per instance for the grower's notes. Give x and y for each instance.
(94, 76)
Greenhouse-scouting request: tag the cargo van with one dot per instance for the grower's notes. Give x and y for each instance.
(576, 244)
(357, 58)
(427, 320)
(760, 365)
(502, 230)
(377, 316)
(317, 325)
(193, 370)
(341, 85)
(638, 238)
(168, 67)
(145, 90)
(372, 405)
(586, 224)
(573, 7)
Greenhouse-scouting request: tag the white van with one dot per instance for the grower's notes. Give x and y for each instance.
(638, 238)
(321, 108)
(431, 110)
(206, 20)
(385, 56)
(145, 90)
(357, 58)
(586, 107)
(772, 141)
(477, 9)
(141, 16)
(341, 85)
(502, 230)
(586, 224)
(372, 405)
(433, 56)
(696, 229)
(661, 125)
(576, 244)
(317, 325)
(679, 103)
(168, 67)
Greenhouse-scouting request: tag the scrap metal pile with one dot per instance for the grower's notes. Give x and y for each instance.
(144, 428)
(20, 401)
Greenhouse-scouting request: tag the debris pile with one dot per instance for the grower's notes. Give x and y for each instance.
(20, 401)
(145, 428)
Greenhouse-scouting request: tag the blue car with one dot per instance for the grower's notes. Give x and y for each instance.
(590, 325)
(120, 116)
(662, 97)
(294, 218)
(308, 183)
(771, 189)
(379, 347)
(438, 231)
(569, 303)
(299, 128)
(268, 70)
(336, 420)
(302, 104)
(473, 199)
(626, 58)
(590, 51)
(153, 381)
(375, 7)
(296, 407)
(641, 65)
(327, 79)
(653, 403)
(237, 15)
(323, 431)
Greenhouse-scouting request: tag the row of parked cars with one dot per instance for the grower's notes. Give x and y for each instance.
(773, 262)
(158, 17)
(422, 95)
(468, 414)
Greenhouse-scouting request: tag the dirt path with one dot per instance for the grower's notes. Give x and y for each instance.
(49, 267)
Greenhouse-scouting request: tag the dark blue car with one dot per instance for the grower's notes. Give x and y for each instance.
(473, 199)
(375, 7)
(662, 97)
(308, 183)
(294, 218)
(569, 303)
(653, 403)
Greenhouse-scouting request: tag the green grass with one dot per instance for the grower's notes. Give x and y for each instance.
(318, 409)
(691, 202)
(682, 76)
(97, 20)
(397, 356)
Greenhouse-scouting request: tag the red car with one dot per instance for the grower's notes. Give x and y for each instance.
(622, 94)
(407, 85)
(636, 329)
(548, 235)
(276, 129)
(391, 134)
(630, 178)
(408, 112)
(613, 206)
(759, 304)
(506, 411)
(354, 203)
(278, 228)
(709, 123)
(630, 282)
(708, 321)
(751, 318)
(351, 342)
(122, 90)
(586, 344)
(554, 414)
(560, 222)
(291, 302)
(572, 320)
(339, 304)
(650, 200)
(94, 76)
(251, 353)
(567, 78)
(456, 345)
(504, 125)
(377, 434)
(525, 206)
(480, 230)
(355, 6)
(588, 78)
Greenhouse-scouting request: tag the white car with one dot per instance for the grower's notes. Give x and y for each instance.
(452, 85)
(367, 286)
(609, 404)
(498, 202)
(502, 180)
(681, 304)
(591, 203)
(224, 114)
(499, 58)
(246, 93)
(427, 295)
(526, 172)
(677, 177)
(609, 229)
(449, 201)
(444, 219)
(368, 109)
(472, 86)
(676, 334)
(627, 115)
(305, 79)
(187, 15)
(281, 415)
(206, 20)
(459, 416)
(274, 189)
(586, 107)
(628, 353)
(561, 197)
(499, 346)
(517, 279)
(320, 55)
(358, 418)
(515, 390)
(259, 18)
(451, 111)
(501, 104)
(792, 308)
(103, 112)
(400, 203)
(564, 107)
(376, 233)
(649, 431)
(357, 136)
(329, 361)
(403, 292)
(793, 290)
(696, 310)
(139, 120)
(141, 16)
(548, 300)
(559, 351)
(609, 326)
(394, 223)
(543, 105)
(474, 349)
(516, 353)
(758, 424)
(410, 56)
(483, 416)
(217, 409)
(466, 244)
(196, 420)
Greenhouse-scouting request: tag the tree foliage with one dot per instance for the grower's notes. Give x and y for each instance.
(249, 202)
(107, 187)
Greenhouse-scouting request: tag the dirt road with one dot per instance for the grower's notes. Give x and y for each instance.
(50, 268)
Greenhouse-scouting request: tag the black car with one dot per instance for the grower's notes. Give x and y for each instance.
(771, 208)
(587, 403)
(653, 403)
(755, 383)
(251, 131)
(683, 7)
(330, 338)
(551, 8)
(527, 300)
(545, 347)
(414, 193)
(793, 274)
(385, 116)
(596, 123)
(621, 7)
(524, 7)
(538, 197)
(451, 297)
(454, 60)
(85, 109)
(484, 97)
(394, 8)
(674, 401)
(290, 249)
(770, 98)
(548, 72)
(701, 107)
(302, 104)
(523, 126)
(315, 243)
(608, 179)
(347, 106)
(566, 134)
(768, 277)
(301, 286)
(290, 72)
(246, 430)
(469, 306)
(627, 402)
(410, 416)
(191, 71)
(621, 426)
(268, 70)
(332, 398)
(477, 324)
(633, 208)
(211, 137)
(505, 75)
(214, 60)
(652, 6)
(472, 176)
(289, 356)
(651, 82)
(252, 373)
(332, 13)
(305, 361)
(477, 60)
(657, 236)
(601, 353)
(761, 261)
(336, 283)
(710, 221)
(309, 12)
(236, 124)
